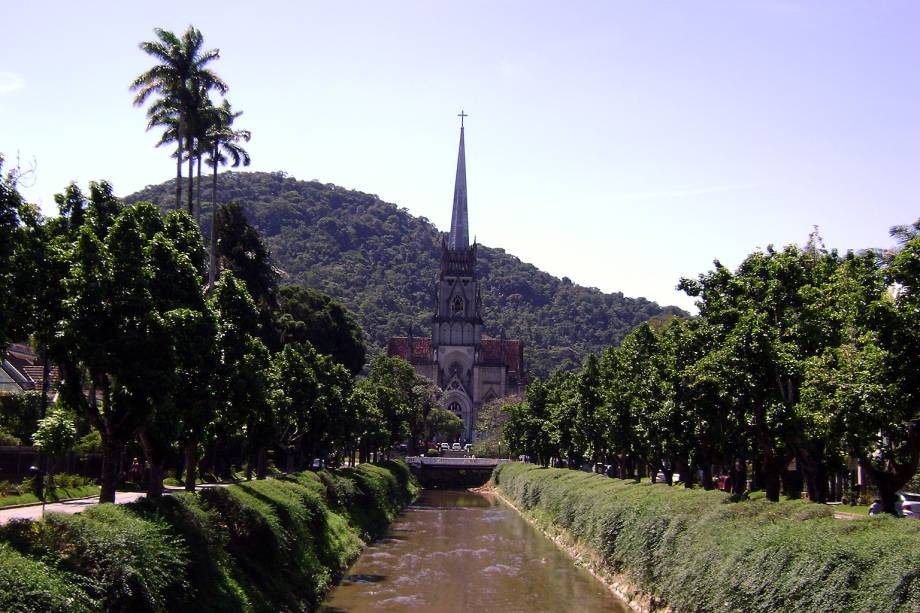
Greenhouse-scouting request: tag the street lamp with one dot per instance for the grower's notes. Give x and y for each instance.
(38, 474)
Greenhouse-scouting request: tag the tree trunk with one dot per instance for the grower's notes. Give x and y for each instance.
(212, 249)
(262, 467)
(770, 470)
(39, 484)
(191, 176)
(707, 476)
(178, 169)
(155, 469)
(818, 482)
(792, 483)
(111, 451)
(191, 464)
(155, 481)
(889, 482)
(739, 477)
(198, 194)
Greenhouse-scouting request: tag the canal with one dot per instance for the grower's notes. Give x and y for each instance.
(466, 551)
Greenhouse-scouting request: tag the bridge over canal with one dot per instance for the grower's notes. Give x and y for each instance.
(450, 472)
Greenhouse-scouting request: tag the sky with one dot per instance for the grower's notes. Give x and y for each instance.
(621, 144)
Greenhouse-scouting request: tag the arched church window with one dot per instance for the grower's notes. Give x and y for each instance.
(456, 409)
(454, 369)
(458, 304)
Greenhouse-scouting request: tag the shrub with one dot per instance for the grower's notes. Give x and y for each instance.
(131, 562)
(696, 550)
(8, 439)
(30, 585)
(67, 481)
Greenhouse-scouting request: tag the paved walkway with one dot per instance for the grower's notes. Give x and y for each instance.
(70, 507)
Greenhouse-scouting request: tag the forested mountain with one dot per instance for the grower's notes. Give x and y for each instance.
(381, 261)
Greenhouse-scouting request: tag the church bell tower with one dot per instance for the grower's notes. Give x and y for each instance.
(470, 367)
(456, 329)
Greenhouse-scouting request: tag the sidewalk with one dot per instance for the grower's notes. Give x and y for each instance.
(75, 506)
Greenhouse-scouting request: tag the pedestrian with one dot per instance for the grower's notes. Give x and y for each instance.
(876, 507)
(135, 473)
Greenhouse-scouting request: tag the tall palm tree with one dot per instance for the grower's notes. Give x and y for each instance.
(224, 147)
(179, 78)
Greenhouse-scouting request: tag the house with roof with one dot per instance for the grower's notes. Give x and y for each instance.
(23, 370)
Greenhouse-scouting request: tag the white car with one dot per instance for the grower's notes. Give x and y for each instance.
(445, 446)
(907, 504)
(456, 447)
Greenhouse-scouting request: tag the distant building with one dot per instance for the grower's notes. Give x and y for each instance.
(469, 366)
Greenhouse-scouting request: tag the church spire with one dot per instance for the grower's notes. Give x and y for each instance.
(459, 238)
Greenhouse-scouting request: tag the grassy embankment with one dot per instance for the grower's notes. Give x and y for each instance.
(273, 545)
(695, 550)
(53, 495)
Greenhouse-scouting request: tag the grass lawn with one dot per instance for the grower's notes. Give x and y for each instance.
(59, 493)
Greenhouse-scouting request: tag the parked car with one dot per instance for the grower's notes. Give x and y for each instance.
(445, 446)
(468, 448)
(907, 504)
(456, 447)
(316, 464)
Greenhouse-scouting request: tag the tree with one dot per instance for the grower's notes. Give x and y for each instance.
(243, 399)
(443, 424)
(308, 316)
(767, 328)
(175, 289)
(393, 379)
(113, 339)
(56, 434)
(423, 398)
(10, 203)
(863, 391)
(530, 430)
(371, 428)
(181, 78)
(309, 392)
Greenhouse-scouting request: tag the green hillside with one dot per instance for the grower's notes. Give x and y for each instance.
(382, 262)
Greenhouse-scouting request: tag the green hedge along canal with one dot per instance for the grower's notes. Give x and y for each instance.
(466, 551)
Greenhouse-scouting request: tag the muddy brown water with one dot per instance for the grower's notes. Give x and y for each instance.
(466, 551)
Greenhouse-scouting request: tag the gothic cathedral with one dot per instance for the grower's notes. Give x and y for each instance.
(470, 367)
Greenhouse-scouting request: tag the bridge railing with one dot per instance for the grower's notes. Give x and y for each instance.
(470, 462)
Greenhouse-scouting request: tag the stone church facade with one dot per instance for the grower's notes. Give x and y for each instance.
(470, 367)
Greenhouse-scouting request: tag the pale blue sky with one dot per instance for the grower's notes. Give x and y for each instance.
(622, 144)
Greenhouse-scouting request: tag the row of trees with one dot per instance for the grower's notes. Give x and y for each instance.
(113, 294)
(800, 354)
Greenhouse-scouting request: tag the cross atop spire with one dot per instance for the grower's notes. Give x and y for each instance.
(459, 237)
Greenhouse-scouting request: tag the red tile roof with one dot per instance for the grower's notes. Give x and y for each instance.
(493, 352)
(421, 348)
(21, 357)
(36, 373)
(504, 352)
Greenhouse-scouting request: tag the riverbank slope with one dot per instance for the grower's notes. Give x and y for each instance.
(272, 545)
(696, 550)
